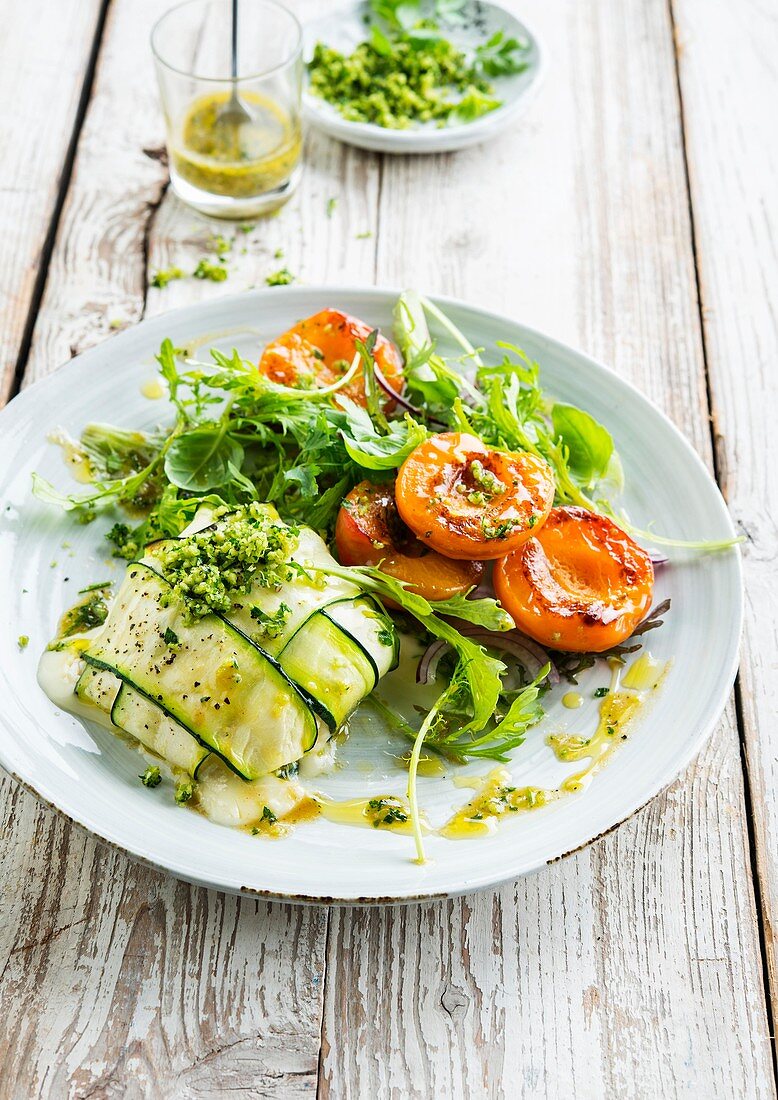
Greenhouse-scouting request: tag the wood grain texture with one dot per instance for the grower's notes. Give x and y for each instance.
(41, 98)
(631, 969)
(732, 149)
(610, 974)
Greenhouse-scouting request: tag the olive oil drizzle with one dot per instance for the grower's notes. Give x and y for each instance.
(390, 812)
(496, 797)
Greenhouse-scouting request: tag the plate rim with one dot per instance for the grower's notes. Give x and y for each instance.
(368, 135)
(716, 703)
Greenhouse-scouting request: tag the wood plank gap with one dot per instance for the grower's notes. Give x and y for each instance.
(64, 183)
(322, 1085)
(153, 211)
(756, 881)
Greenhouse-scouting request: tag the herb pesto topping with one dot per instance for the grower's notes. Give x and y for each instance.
(208, 569)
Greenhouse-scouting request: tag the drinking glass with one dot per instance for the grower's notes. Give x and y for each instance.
(228, 161)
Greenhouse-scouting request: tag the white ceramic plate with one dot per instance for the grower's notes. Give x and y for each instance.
(345, 29)
(92, 777)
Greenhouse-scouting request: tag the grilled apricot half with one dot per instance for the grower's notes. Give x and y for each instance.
(369, 530)
(581, 583)
(468, 501)
(318, 351)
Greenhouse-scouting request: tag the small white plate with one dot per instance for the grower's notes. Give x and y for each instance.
(345, 29)
(92, 777)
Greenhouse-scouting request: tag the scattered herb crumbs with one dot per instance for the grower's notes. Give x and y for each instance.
(207, 269)
(269, 816)
(331, 204)
(363, 236)
(278, 254)
(386, 811)
(161, 279)
(184, 791)
(170, 637)
(601, 692)
(151, 777)
(117, 322)
(23, 641)
(280, 278)
(221, 245)
(271, 625)
(98, 587)
(246, 227)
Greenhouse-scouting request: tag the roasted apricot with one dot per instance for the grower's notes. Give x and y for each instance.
(467, 501)
(318, 351)
(581, 583)
(369, 530)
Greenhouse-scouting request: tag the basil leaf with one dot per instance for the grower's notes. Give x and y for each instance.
(589, 444)
(200, 460)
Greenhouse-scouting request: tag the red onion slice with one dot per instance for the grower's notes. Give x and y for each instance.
(658, 559)
(529, 654)
(395, 396)
(403, 402)
(430, 659)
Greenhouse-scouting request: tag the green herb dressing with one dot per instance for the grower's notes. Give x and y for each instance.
(238, 160)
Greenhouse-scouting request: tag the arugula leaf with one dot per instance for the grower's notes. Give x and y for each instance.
(482, 672)
(372, 390)
(589, 445)
(496, 57)
(124, 489)
(413, 766)
(169, 371)
(525, 711)
(484, 612)
(203, 459)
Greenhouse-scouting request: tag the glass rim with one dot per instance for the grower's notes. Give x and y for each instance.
(227, 79)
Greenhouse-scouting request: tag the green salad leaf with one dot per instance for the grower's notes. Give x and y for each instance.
(589, 444)
(204, 458)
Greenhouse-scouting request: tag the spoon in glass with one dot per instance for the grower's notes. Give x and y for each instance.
(233, 114)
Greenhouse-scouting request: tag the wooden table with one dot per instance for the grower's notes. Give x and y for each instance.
(631, 213)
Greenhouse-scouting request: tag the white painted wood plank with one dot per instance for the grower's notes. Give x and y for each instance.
(632, 969)
(728, 62)
(45, 50)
